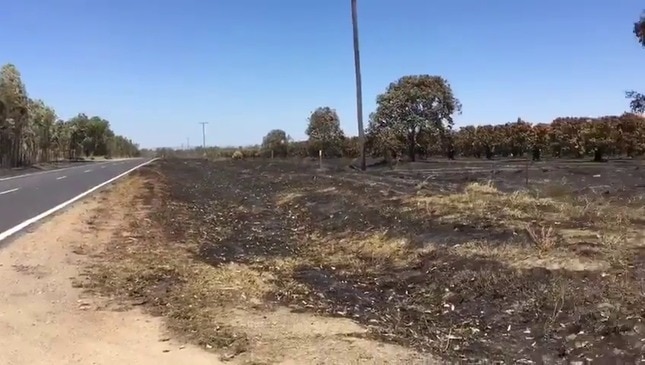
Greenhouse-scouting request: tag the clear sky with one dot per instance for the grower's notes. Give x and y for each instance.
(157, 68)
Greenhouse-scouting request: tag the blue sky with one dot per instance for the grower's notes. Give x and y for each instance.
(157, 68)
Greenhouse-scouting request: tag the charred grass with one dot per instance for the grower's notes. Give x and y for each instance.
(477, 274)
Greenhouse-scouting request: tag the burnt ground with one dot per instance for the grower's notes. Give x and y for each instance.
(440, 261)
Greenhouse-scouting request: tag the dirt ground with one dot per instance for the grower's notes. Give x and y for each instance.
(218, 309)
(280, 262)
(443, 264)
(45, 320)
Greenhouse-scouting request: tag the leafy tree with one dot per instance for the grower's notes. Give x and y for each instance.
(14, 124)
(629, 134)
(276, 142)
(539, 140)
(466, 141)
(383, 139)
(414, 104)
(486, 140)
(518, 135)
(30, 131)
(351, 147)
(567, 135)
(637, 103)
(597, 136)
(324, 131)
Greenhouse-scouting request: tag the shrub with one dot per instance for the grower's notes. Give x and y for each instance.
(238, 155)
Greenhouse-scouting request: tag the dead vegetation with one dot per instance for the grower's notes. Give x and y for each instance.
(472, 275)
(220, 307)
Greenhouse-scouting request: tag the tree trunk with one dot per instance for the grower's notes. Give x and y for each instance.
(489, 153)
(536, 154)
(597, 155)
(412, 153)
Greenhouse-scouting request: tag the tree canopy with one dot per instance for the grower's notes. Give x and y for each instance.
(414, 105)
(324, 131)
(637, 103)
(276, 143)
(30, 131)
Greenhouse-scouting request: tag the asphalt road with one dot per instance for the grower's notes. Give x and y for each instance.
(27, 196)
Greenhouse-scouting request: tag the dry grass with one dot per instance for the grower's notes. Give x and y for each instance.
(223, 307)
(143, 267)
(372, 252)
(287, 242)
(555, 229)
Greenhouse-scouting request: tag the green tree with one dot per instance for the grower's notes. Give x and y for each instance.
(14, 124)
(416, 103)
(324, 131)
(383, 139)
(276, 143)
(30, 132)
(637, 103)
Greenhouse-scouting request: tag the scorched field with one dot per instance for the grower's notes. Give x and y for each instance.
(461, 261)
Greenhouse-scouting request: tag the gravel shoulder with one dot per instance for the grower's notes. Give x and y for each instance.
(46, 319)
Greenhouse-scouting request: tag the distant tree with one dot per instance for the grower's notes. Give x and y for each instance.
(629, 134)
(637, 103)
(567, 136)
(15, 124)
(487, 140)
(351, 147)
(276, 143)
(539, 140)
(383, 138)
(324, 131)
(414, 104)
(30, 131)
(466, 141)
(598, 136)
(518, 135)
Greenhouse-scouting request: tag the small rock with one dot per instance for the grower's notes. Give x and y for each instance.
(571, 337)
(166, 350)
(581, 344)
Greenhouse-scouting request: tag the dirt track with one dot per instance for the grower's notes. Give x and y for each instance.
(45, 320)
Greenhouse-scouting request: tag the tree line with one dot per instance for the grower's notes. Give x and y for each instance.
(414, 118)
(31, 132)
(412, 137)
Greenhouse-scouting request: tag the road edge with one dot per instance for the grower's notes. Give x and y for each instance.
(19, 227)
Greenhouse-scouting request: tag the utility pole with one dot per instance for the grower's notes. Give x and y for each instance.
(203, 135)
(187, 143)
(359, 91)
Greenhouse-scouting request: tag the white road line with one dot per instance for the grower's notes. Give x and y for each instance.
(87, 171)
(8, 191)
(102, 167)
(61, 177)
(47, 172)
(60, 206)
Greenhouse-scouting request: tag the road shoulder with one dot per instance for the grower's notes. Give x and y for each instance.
(46, 319)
